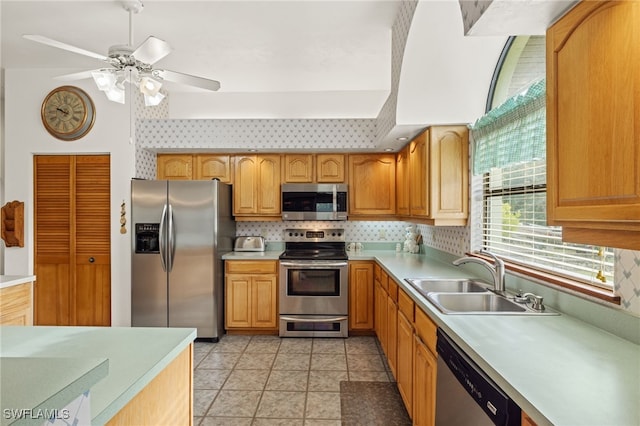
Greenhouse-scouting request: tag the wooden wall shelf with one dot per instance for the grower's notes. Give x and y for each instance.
(12, 231)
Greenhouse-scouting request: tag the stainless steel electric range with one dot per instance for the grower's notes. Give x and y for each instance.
(314, 290)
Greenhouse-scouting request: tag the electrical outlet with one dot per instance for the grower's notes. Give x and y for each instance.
(382, 234)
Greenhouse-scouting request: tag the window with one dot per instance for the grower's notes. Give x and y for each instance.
(510, 157)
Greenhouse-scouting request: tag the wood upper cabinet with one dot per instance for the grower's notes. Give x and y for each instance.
(593, 124)
(372, 185)
(403, 188)
(361, 295)
(213, 166)
(308, 168)
(174, 166)
(251, 294)
(256, 189)
(330, 168)
(439, 175)
(298, 168)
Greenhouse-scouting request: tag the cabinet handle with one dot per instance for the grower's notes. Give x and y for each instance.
(91, 260)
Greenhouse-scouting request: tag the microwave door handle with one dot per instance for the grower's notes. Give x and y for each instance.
(335, 201)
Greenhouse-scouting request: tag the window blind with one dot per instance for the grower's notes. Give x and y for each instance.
(510, 154)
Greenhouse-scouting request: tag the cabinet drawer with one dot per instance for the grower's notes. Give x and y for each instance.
(426, 329)
(251, 267)
(405, 304)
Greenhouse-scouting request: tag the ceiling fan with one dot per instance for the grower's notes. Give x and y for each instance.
(129, 64)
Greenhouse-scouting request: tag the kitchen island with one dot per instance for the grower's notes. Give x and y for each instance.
(16, 299)
(149, 379)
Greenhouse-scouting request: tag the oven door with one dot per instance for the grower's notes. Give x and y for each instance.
(311, 287)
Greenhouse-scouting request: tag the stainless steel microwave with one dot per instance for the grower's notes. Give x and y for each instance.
(314, 201)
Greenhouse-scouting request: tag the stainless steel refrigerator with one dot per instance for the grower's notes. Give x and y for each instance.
(181, 229)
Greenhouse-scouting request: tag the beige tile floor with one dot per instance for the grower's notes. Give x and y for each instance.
(268, 380)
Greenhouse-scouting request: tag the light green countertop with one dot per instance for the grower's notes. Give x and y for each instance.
(135, 356)
(42, 385)
(558, 369)
(11, 280)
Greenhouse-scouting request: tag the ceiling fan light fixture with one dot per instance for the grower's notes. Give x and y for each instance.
(115, 94)
(153, 100)
(150, 86)
(105, 80)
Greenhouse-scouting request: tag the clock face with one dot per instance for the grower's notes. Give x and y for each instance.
(68, 113)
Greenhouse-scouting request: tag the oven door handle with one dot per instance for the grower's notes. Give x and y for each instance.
(298, 319)
(313, 265)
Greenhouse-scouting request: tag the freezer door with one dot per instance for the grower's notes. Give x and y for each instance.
(148, 277)
(191, 259)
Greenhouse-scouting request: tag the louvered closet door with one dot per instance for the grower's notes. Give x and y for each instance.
(92, 241)
(52, 222)
(72, 240)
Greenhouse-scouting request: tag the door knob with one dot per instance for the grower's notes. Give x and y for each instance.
(91, 260)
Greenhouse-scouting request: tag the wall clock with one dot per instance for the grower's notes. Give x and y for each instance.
(68, 113)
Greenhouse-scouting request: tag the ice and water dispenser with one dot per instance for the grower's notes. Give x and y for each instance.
(147, 238)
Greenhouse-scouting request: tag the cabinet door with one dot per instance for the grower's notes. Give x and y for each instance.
(330, 168)
(593, 123)
(245, 194)
(175, 166)
(361, 295)
(418, 175)
(392, 335)
(210, 166)
(263, 301)
(238, 301)
(268, 185)
(381, 316)
(372, 184)
(402, 182)
(424, 385)
(405, 361)
(449, 172)
(298, 168)
(16, 305)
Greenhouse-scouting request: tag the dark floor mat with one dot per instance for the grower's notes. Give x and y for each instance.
(372, 403)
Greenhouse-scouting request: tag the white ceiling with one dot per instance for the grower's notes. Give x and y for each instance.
(252, 47)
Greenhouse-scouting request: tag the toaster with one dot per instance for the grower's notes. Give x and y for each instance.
(249, 244)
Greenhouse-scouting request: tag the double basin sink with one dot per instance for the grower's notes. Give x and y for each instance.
(469, 296)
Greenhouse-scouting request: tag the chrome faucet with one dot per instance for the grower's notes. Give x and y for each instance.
(497, 269)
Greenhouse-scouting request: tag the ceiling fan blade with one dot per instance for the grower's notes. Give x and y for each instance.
(190, 80)
(76, 75)
(152, 50)
(64, 46)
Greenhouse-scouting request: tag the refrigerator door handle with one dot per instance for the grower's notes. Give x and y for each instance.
(172, 240)
(162, 239)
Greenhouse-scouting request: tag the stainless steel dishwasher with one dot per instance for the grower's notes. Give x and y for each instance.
(465, 395)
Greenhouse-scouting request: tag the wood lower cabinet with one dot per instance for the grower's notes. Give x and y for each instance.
(424, 370)
(405, 361)
(593, 124)
(251, 289)
(16, 304)
(166, 400)
(361, 296)
(372, 186)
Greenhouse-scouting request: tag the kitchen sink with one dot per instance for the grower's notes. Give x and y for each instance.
(481, 303)
(438, 285)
